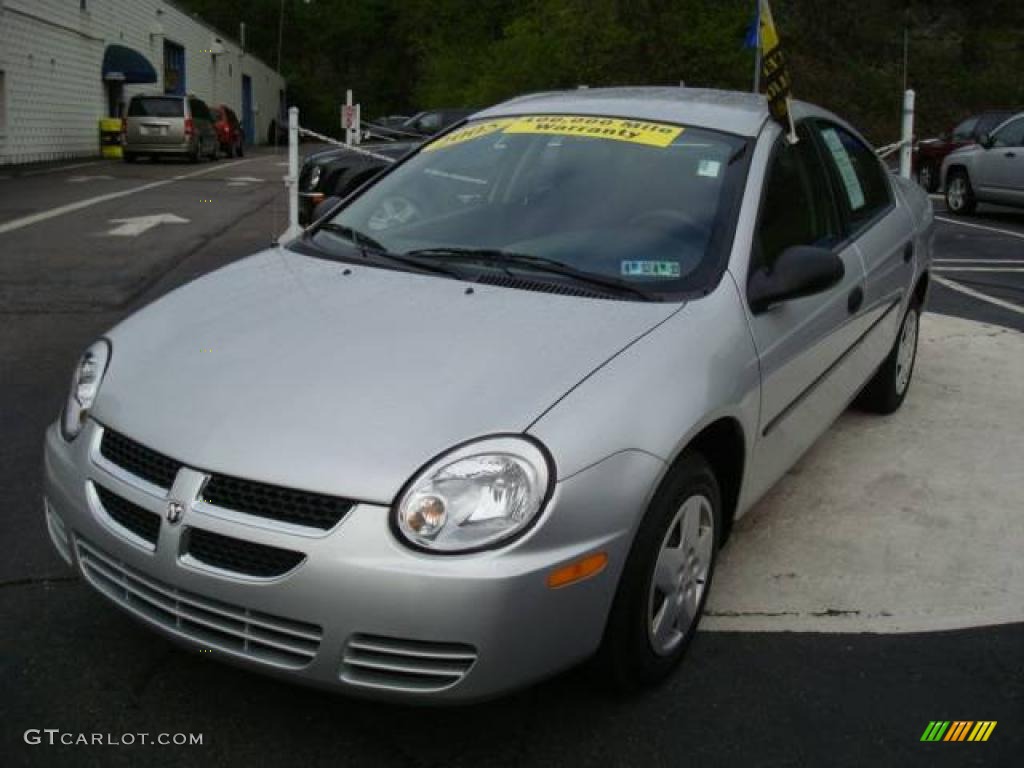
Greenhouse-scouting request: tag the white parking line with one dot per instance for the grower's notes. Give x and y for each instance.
(1009, 232)
(979, 269)
(35, 218)
(62, 168)
(977, 261)
(955, 286)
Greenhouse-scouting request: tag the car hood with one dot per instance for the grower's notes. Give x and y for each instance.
(284, 369)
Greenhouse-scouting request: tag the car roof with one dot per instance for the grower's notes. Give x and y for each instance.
(733, 112)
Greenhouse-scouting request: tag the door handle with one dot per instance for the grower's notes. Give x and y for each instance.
(908, 252)
(855, 299)
(1010, 154)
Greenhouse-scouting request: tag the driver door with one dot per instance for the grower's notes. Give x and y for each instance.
(802, 343)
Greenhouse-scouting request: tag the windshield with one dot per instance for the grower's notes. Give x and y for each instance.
(639, 203)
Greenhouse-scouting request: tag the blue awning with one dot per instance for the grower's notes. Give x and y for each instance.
(126, 65)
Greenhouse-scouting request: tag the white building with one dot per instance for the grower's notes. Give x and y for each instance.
(65, 64)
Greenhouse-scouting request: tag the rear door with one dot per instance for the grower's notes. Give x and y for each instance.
(804, 344)
(999, 170)
(156, 120)
(878, 223)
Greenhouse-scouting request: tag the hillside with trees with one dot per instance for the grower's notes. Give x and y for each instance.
(403, 55)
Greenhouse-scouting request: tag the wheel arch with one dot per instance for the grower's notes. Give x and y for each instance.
(723, 445)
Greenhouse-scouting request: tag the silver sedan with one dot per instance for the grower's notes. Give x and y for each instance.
(495, 413)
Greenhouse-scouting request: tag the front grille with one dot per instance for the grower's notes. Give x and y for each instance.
(314, 510)
(138, 459)
(141, 522)
(210, 623)
(405, 665)
(239, 556)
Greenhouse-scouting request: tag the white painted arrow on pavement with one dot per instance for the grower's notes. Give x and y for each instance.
(80, 179)
(139, 224)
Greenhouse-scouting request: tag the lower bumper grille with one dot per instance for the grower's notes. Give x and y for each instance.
(405, 665)
(141, 522)
(239, 556)
(258, 636)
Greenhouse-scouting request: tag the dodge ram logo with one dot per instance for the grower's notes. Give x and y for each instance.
(175, 509)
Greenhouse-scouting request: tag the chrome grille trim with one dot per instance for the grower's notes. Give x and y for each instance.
(239, 631)
(405, 665)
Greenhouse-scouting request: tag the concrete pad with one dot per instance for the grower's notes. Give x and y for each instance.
(903, 523)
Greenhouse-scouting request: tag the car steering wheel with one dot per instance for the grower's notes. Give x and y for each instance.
(666, 218)
(392, 211)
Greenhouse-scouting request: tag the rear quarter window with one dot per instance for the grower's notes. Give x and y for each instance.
(861, 180)
(156, 107)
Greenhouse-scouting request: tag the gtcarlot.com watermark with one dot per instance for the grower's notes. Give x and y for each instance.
(55, 736)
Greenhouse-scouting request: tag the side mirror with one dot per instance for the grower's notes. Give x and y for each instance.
(324, 207)
(985, 140)
(802, 270)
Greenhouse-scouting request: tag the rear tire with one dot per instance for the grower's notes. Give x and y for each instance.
(928, 177)
(886, 390)
(960, 198)
(666, 579)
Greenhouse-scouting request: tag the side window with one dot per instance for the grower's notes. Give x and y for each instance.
(966, 129)
(861, 180)
(1010, 135)
(797, 206)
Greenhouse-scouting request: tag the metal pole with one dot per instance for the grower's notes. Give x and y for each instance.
(907, 133)
(292, 179)
(757, 49)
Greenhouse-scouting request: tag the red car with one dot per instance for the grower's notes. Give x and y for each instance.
(229, 130)
(929, 153)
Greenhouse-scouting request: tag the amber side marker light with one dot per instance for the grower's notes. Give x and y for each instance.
(584, 568)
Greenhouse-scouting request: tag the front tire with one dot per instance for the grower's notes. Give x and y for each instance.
(959, 193)
(887, 389)
(665, 581)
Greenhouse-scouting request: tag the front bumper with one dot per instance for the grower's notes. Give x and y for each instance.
(361, 613)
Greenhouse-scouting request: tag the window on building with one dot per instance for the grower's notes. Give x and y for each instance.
(174, 68)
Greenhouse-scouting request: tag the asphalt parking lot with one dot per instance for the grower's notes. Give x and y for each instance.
(790, 669)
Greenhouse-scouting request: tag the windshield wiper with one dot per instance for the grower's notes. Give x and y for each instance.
(366, 246)
(506, 259)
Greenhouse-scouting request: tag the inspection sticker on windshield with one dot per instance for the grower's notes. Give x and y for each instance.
(664, 269)
(709, 168)
(846, 171)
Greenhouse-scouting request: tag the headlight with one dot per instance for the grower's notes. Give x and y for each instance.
(478, 496)
(314, 177)
(85, 384)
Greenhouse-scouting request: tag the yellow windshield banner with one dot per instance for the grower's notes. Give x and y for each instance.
(468, 133)
(634, 131)
(616, 129)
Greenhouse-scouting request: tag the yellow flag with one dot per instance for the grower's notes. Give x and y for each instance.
(773, 68)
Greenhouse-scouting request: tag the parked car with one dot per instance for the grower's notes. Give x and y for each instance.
(337, 172)
(421, 125)
(496, 412)
(161, 125)
(991, 171)
(929, 153)
(230, 135)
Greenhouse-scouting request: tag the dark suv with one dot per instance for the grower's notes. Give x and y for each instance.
(929, 153)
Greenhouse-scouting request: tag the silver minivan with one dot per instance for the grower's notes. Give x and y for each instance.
(158, 125)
